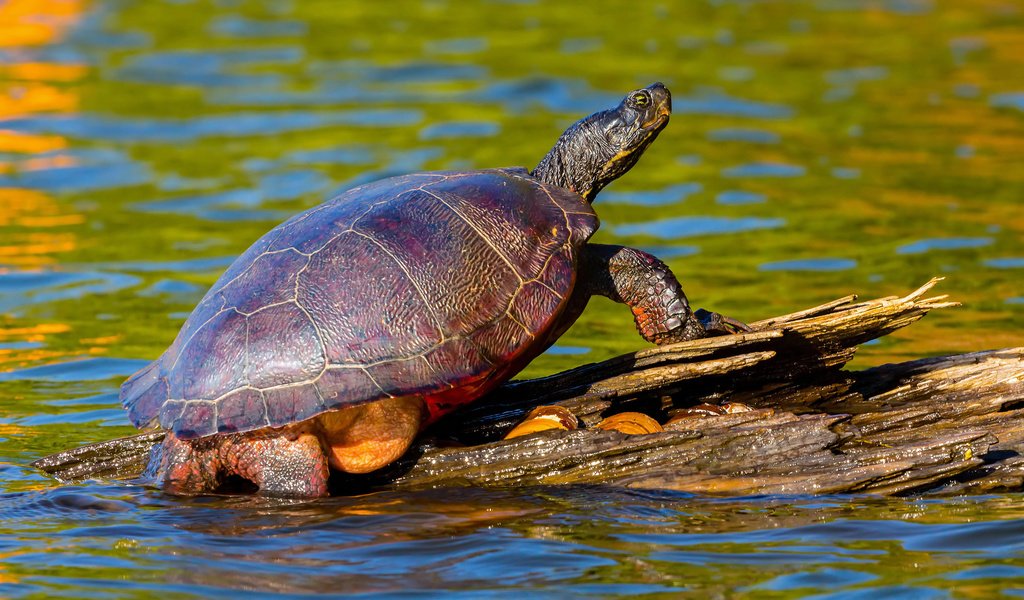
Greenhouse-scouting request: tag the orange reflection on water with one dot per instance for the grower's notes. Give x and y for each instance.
(36, 22)
(29, 88)
(33, 224)
(28, 143)
(15, 358)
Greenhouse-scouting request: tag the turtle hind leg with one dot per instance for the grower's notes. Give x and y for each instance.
(278, 463)
(271, 463)
(362, 439)
(185, 467)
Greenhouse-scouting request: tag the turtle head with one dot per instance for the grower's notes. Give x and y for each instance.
(598, 149)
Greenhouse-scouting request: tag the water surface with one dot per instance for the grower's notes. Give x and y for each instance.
(817, 148)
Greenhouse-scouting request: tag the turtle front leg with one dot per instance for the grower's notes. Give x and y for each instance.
(644, 283)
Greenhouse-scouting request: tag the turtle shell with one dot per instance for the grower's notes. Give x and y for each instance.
(441, 285)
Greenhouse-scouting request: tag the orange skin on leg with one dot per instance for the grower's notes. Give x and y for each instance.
(365, 438)
(292, 461)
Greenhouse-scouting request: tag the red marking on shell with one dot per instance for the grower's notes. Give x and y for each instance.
(443, 402)
(283, 347)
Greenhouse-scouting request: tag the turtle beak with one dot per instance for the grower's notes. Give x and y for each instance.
(662, 108)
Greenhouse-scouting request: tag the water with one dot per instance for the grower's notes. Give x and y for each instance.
(817, 149)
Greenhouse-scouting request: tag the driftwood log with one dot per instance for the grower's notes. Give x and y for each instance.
(946, 425)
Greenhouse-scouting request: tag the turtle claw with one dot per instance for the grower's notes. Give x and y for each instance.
(717, 324)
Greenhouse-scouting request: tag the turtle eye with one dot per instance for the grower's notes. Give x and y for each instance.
(641, 98)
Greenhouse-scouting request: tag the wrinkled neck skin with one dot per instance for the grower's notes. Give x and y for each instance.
(579, 159)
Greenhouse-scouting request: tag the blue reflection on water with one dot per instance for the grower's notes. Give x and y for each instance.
(558, 349)
(20, 289)
(681, 227)
(668, 195)
(459, 129)
(340, 155)
(230, 205)
(810, 264)
(1005, 263)
(288, 185)
(764, 169)
(78, 170)
(739, 197)
(235, 26)
(673, 251)
(755, 136)
(89, 369)
(1008, 100)
(121, 129)
(952, 243)
(818, 579)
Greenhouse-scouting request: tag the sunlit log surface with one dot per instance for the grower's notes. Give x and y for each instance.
(946, 425)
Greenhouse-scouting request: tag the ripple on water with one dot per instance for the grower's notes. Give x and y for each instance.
(236, 26)
(468, 45)
(357, 154)
(80, 170)
(739, 197)
(128, 130)
(1008, 100)
(19, 289)
(560, 350)
(230, 205)
(208, 69)
(351, 71)
(1005, 263)
(819, 579)
(192, 265)
(753, 136)
(669, 195)
(728, 106)
(673, 251)
(951, 243)
(764, 169)
(459, 129)
(681, 227)
(295, 183)
(89, 369)
(810, 264)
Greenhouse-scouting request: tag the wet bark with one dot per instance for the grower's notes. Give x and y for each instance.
(948, 425)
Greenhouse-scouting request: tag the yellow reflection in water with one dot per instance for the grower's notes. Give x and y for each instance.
(28, 88)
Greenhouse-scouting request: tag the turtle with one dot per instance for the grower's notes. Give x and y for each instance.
(345, 331)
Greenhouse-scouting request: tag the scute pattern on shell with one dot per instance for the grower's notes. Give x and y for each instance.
(427, 284)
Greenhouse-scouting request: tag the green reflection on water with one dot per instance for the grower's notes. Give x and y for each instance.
(184, 131)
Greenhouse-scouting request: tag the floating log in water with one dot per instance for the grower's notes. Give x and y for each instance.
(940, 424)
